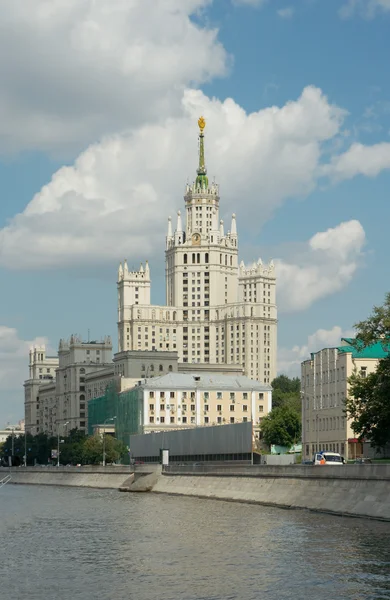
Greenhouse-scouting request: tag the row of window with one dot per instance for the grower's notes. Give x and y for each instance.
(206, 395)
(206, 407)
(206, 420)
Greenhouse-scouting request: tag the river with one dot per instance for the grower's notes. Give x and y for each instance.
(75, 543)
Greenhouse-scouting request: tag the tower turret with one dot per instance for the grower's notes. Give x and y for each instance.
(202, 180)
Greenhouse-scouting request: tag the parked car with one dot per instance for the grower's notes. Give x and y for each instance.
(327, 458)
(362, 461)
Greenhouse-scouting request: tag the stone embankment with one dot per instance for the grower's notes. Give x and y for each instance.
(350, 490)
(91, 477)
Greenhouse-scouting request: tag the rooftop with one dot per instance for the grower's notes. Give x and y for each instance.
(205, 381)
(377, 350)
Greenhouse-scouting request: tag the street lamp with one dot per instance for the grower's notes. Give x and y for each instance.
(104, 438)
(58, 442)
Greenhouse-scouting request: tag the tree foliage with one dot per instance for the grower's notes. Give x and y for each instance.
(76, 448)
(287, 392)
(368, 402)
(281, 427)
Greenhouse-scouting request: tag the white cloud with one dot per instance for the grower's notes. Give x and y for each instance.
(286, 13)
(360, 160)
(326, 265)
(115, 200)
(367, 9)
(289, 359)
(250, 2)
(74, 70)
(14, 358)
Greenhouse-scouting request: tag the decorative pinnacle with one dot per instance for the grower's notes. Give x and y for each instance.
(202, 179)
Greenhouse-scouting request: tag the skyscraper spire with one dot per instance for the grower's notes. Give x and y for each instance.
(202, 179)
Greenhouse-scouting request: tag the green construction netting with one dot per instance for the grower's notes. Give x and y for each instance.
(127, 407)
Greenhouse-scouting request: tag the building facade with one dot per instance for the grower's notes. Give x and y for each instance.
(42, 369)
(55, 392)
(217, 311)
(182, 401)
(324, 388)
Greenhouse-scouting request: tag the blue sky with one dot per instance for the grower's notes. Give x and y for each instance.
(119, 110)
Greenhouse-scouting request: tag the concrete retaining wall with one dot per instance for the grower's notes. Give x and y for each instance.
(93, 477)
(352, 490)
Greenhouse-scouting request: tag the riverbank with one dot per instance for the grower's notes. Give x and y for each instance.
(354, 490)
(90, 477)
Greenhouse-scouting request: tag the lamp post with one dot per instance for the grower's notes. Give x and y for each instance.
(25, 445)
(58, 442)
(104, 438)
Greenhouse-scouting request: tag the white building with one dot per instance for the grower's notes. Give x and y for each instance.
(55, 393)
(217, 310)
(42, 369)
(324, 388)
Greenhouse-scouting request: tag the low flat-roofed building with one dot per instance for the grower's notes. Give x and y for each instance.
(183, 401)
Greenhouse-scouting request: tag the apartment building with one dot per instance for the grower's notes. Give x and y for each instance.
(324, 388)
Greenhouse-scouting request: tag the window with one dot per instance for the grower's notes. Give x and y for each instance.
(231, 408)
(151, 406)
(162, 406)
(160, 368)
(244, 407)
(192, 406)
(193, 420)
(162, 394)
(184, 420)
(261, 396)
(185, 259)
(206, 420)
(151, 419)
(231, 419)
(206, 258)
(170, 368)
(206, 407)
(219, 395)
(172, 419)
(151, 367)
(363, 372)
(171, 394)
(245, 396)
(261, 408)
(162, 419)
(151, 394)
(206, 395)
(232, 395)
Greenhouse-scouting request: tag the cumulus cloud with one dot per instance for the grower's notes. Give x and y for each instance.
(115, 199)
(286, 13)
(14, 358)
(289, 359)
(367, 9)
(249, 2)
(360, 160)
(74, 70)
(325, 266)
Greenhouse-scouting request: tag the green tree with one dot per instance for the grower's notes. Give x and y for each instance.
(368, 402)
(281, 427)
(93, 450)
(115, 449)
(287, 392)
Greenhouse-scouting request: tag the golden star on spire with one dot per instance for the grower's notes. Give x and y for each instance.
(201, 123)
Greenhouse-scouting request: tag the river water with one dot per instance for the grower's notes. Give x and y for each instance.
(75, 543)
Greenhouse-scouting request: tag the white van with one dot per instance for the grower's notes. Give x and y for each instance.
(327, 458)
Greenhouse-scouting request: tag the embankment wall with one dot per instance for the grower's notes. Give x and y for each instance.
(353, 490)
(109, 478)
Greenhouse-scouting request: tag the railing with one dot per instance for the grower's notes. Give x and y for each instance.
(5, 480)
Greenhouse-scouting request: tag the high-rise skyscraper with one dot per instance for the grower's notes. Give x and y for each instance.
(217, 311)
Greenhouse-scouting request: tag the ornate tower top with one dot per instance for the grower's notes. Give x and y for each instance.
(202, 179)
